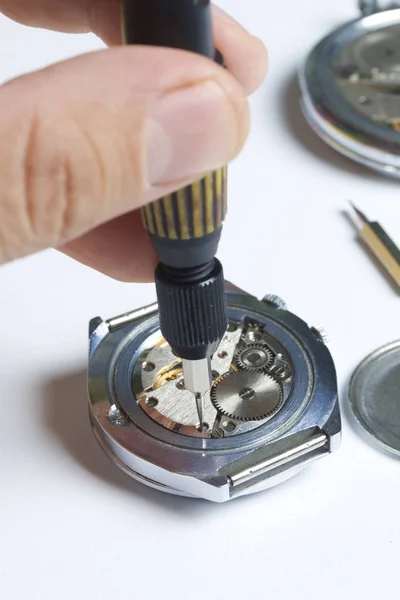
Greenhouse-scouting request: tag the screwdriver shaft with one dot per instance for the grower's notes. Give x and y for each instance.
(200, 410)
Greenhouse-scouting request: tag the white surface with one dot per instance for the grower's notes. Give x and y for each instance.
(71, 526)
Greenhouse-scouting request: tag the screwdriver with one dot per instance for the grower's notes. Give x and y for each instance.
(185, 227)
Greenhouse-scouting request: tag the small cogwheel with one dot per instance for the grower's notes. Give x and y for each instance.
(247, 396)
(254, 357)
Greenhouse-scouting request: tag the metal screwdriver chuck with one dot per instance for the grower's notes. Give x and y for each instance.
(185, 227)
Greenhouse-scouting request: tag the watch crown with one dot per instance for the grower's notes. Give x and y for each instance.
(320, 334)
(275, 301)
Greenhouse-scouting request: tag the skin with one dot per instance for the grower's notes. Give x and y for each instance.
(87, 142)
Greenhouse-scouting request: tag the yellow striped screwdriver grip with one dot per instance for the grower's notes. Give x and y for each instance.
(192, 212)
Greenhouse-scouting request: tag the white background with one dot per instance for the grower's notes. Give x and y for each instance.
(71, 525)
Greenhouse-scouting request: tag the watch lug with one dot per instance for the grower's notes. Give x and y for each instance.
(98, 330)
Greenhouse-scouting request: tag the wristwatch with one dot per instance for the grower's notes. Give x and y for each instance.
(272, 409)
(350, 87)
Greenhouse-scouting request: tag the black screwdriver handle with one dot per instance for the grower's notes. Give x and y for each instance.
(182, 24)
(185, 226)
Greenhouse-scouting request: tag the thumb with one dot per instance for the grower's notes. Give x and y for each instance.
(93, 138)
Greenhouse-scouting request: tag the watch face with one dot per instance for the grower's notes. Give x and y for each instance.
(351, 90)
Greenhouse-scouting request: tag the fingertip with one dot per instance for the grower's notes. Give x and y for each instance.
(245, 55)
(258, 66)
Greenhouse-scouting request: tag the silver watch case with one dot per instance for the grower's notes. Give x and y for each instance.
(307, 427)
(350, 88)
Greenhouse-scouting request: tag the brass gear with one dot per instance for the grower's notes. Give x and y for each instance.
(162, 377)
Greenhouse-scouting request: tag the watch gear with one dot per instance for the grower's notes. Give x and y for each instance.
(165, 376)
(255, 357)
(247, 396)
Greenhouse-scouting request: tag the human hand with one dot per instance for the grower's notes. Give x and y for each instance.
(85, 143)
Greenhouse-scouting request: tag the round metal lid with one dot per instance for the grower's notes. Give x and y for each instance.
(375, 396)
(350, 88)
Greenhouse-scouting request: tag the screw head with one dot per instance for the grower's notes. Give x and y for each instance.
(151, 402)
(148, 366)
(247, 393)
(203, 428)
(219, 432)
(229, 426)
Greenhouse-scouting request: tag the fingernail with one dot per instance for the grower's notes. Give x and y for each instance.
(192, 130)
